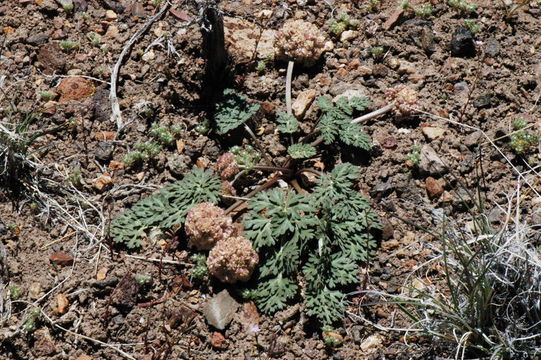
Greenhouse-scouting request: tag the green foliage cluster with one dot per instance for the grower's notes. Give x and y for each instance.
(162, 136)
(232, 111)
(372, 5)
(68, 45)
(31, 323)
(335, 123)
(341, 24)
(165, 209)
(463, 6)
(200, 270)
(425, 10)
(522, 140)
(14, 291)
(94, 37)
(472, 25)
(324, 235)
(287, 124)
(246, 156)
(415, 155)
(46, 95)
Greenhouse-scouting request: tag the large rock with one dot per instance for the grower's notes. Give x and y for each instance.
(241, 38)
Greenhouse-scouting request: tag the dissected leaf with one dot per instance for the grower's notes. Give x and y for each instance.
(301, 151)
(232, 111)
(165, 209)
(335, 123)
(331, 228)
(287, 124)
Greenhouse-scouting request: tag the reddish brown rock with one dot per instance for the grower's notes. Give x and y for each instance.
(51, 58)
(61, 258)
(433, 187)
(75, 88)
(389, 23)
(103, 182)
(105, 135)
(218, 341)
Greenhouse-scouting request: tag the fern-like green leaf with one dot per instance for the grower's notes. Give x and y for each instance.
(301, 151)
(232, 111)
(273, 294)
(280, 213)
(335, 123)
(328, 129)
(166, 208)
(326, 305)
(359, 103)
(325, 234)
(284, 260)
(287, 124)
(352, 134)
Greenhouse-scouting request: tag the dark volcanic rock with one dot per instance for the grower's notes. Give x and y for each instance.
(462, 43)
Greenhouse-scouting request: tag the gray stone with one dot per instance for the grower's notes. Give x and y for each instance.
(178, 164)
(220, 309)
(104, 151)
(37, 39)
(430, 162)
(473, 139)
(343, 88)
(493, 47)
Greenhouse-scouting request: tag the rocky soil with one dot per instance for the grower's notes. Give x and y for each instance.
(97, 300)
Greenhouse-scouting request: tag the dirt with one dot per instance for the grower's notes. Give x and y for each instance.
(111, 314)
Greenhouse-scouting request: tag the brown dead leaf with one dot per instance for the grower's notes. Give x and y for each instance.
(181, 15)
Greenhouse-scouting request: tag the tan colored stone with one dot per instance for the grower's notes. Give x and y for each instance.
(62, 303)
(241, 38)
(103, 182)
(84, 357)
(433, 132)
(111, 15)
(303, 102)
(371, 343)
(348, 35)
(102, 273)
(34, 290)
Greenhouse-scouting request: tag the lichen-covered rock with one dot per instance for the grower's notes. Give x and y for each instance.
(232, 260)
(206, 224)
(300, 41)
